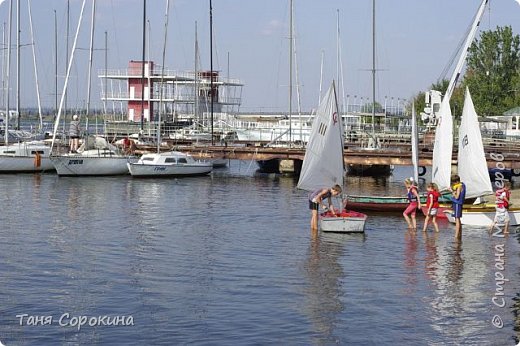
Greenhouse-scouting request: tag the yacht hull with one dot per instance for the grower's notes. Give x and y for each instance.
(164, 170)
(78, 165)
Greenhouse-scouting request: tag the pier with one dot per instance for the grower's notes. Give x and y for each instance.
(505, 153)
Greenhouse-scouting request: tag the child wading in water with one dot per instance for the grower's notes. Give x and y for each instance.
(502, 196)
(415, 202)
(317, 198)
(432, 203)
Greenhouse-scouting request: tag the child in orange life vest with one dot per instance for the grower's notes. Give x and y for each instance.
(432, 203)
(502, 197)
(415, 202)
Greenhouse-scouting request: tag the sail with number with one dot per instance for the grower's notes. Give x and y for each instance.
(442, 151)
(472, 165)
(323, 162)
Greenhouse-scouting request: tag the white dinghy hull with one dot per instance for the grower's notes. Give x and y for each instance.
(483, 217)
(346, 222)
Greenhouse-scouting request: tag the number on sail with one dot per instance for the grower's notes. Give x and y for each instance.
(323, 129)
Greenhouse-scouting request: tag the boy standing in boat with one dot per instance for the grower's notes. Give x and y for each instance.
(458, 191)
(432, 203)
(414, 203)
(316, 199)
(502, 197)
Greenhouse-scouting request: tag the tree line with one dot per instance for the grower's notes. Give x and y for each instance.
(492, 75)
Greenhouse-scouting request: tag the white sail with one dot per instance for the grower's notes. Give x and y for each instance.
(415, 145)
(443, 147)
(323, 162)
(473, 169)
(442, 151)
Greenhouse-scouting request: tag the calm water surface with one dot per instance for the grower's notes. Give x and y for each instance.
(229, 259)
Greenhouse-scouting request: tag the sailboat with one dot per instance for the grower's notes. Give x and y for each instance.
(171, 163)
(23, 156)
(473, 171)
(392, 203)
(323, 164)
(95, 156)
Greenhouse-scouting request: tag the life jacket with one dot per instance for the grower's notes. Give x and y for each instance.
(411, 196)
(500, 201)
(462, 194)
(434, 201)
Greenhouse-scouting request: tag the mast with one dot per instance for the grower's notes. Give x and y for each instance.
(443, 148)
(341, 132)
(62, 101)
(35, 68)
(149, 78)
(106, 72)
(290, 69)
(464, 53)
(373, 68)
(143, 65)
(91, 50)
(162, 75)
(3, 63)
(298, 96)
(211, 64)
(8, 68)
(337, 47)
(196, 77)
(66, 60)
(18, 64)
(55, 63)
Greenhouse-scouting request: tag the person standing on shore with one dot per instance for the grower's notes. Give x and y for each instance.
(414, 203)
(316, 199)
(432, 203)
(458, 191)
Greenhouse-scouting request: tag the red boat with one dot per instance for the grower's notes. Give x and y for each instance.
(389, 204)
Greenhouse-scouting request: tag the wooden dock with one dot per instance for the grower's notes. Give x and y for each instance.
(498, 154)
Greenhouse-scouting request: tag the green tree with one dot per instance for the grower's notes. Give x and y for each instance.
(492, 72)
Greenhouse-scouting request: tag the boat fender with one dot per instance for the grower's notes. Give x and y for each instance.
(37, 160)
(422, 171)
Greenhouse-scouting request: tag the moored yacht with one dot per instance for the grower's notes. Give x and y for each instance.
(25, 157)
(94, 157)
(168, 164)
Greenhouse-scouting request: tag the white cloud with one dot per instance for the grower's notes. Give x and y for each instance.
(272, 27)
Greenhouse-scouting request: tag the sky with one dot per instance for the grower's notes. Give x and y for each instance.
(415, 41)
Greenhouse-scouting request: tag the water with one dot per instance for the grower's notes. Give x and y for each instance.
(230, 259)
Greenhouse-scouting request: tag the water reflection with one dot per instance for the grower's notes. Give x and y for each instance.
(431, 257)
(411, 261)
(323, 292)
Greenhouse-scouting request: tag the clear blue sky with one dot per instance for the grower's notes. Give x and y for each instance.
(415, 40)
